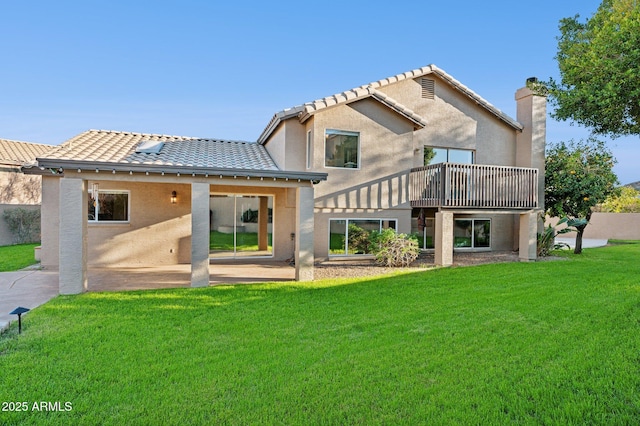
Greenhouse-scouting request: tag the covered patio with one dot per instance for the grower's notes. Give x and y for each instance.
(157, 205)
(175, 276)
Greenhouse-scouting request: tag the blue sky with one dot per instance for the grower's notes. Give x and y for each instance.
(222, 69)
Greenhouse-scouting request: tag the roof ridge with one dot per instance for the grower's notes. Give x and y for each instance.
(415, 73)
(124, 132)
(30, 143)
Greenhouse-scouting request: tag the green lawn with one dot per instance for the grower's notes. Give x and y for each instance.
(245, 241)
(522, 343)
(13, 258)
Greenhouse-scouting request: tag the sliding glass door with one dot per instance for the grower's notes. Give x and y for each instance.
(241, 225)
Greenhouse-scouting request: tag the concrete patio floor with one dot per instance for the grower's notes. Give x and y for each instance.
(173, 276)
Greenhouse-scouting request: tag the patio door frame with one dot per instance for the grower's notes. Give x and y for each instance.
(235, 252)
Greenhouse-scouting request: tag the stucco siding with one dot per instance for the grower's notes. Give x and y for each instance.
(454, 121)
(385, 158)
(296, 146)
(50, 222)
(18, 188)
(158, 232)
(276, 146)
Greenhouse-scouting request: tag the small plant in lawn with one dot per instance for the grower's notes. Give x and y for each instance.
(392, 249)
(546, 239)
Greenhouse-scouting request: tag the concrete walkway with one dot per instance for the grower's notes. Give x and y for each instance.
(26, 288)
(586, 242)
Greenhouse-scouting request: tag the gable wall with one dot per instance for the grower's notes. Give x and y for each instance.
(386, 155)
(454, 121)
(276, 146)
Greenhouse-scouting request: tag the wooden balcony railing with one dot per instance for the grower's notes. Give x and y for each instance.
(473, 185)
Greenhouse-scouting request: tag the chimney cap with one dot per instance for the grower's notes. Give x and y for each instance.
(532, 80)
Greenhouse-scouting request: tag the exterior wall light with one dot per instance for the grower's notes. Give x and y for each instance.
(174, 197)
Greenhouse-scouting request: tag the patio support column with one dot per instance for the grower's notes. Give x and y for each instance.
(199, 234)
(444, 239)
(528, 236)
(263, 220)
(73, 236)
(304, 257)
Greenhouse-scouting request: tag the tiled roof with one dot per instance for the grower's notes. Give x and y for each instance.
(21, 153)
(303, 112)
(113, 147)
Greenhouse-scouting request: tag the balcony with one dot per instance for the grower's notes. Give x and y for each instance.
(473, 186)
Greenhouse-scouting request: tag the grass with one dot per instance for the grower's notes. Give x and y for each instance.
(522, 343)
(15, 257)
(245, 241)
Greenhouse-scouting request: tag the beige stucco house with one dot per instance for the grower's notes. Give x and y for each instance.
(18, 190)
(417, 152)
(421, 153)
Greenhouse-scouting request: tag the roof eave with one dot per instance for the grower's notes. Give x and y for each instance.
(154, 168)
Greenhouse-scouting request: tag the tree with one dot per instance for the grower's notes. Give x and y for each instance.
(599, 62)
(578, 176)
(627, 200)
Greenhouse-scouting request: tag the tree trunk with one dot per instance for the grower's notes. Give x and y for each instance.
(580, 229)
(578, 248)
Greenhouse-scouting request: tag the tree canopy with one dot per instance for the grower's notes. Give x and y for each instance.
(599, 62)
(578, 176)
(627, 200)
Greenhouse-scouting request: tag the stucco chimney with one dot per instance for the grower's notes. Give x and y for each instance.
(532, 114)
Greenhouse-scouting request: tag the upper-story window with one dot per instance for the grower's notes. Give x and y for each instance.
(342, 149)
(447, 155)
(108, 206)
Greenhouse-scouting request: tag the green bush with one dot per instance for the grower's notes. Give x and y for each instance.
(24, 224)
(392, 249)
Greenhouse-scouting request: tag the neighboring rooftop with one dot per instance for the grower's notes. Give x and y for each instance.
(634, 185)
(304, 111)
(21, 153)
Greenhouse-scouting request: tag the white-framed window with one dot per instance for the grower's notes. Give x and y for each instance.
(434, 155)
(309, 150)
(342, 149)
(472, 233)
(348, 237)
(107, 205)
